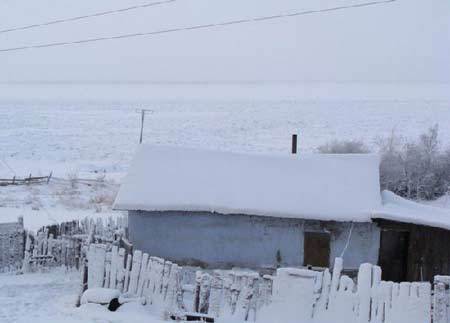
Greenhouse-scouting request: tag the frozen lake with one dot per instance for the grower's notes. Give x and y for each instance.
(95, 127)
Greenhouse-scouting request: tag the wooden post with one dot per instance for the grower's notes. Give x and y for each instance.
(49, 177)
(142, 125)
(294, 143)
(143, 111)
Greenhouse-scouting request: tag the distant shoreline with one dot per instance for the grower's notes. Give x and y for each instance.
(224, 91)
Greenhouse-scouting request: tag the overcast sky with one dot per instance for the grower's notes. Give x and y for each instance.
(408, 40)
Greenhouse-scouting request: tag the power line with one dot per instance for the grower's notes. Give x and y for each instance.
(97, 14)
(195, 27)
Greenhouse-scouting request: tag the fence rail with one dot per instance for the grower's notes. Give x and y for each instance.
(26, 180)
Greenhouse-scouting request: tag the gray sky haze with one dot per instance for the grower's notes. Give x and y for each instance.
(403, 41)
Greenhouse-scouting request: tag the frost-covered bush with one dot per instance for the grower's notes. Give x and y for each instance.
(417, 169)
(344, 147)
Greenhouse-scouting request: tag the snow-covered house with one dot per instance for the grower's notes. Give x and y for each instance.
(221, 210)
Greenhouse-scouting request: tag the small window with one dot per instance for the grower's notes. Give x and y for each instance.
(317, 249)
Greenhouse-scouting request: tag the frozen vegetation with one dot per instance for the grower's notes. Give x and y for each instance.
(416, 169)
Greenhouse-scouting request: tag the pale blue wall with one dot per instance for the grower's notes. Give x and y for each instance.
(223, 241)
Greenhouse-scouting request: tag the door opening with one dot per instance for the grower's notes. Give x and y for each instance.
(393, 258)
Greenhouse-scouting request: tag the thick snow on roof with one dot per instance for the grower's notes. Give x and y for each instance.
(325, 187)
(396, 208)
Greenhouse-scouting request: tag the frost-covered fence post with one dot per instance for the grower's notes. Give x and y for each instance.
(204, 292)
(114, 266)
(127, 273)
(216, 293)
(96, 268)
(155, 280)
(364, 292)
(151, 286)
(84, 281)
(227, 306)
(377, 300)
(246, 298)
(12, 245)
(165, 279)
(322, 302)
(293, 297)
(107, 270)
(143, 275)
(441, 300)
(135, 270)
(334, 285)
(121, 270)
(265, 291)
(173, 301)
(27, 256)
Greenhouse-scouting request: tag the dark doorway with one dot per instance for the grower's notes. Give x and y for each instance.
(317, 249)
(393, 258)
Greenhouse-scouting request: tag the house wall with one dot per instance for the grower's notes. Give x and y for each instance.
(223, 241)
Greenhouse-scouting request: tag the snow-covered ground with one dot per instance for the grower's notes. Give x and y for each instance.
(58, 201)
(92, 130)
(50, 298)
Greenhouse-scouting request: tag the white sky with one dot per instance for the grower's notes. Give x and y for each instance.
(408, 40)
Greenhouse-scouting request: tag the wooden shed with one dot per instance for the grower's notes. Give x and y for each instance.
(414, 240)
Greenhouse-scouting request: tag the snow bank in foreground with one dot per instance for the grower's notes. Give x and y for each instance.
(50, 298)
(99, 295)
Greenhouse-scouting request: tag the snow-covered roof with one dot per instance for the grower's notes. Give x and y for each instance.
(396, 208)
(310, 186)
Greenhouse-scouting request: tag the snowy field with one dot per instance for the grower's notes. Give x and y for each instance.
(91, 131)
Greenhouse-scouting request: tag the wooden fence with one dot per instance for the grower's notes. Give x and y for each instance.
(26, 180)
(66, 244)
(290, 295)
(136, 275)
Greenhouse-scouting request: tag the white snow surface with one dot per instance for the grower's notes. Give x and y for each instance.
(50, 298)
(319, 186)
(399, 209)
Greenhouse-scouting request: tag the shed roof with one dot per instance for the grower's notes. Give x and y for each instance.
(398, 209)
(309, 186)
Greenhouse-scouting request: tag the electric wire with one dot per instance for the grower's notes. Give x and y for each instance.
(195, 27)
(97, 14)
